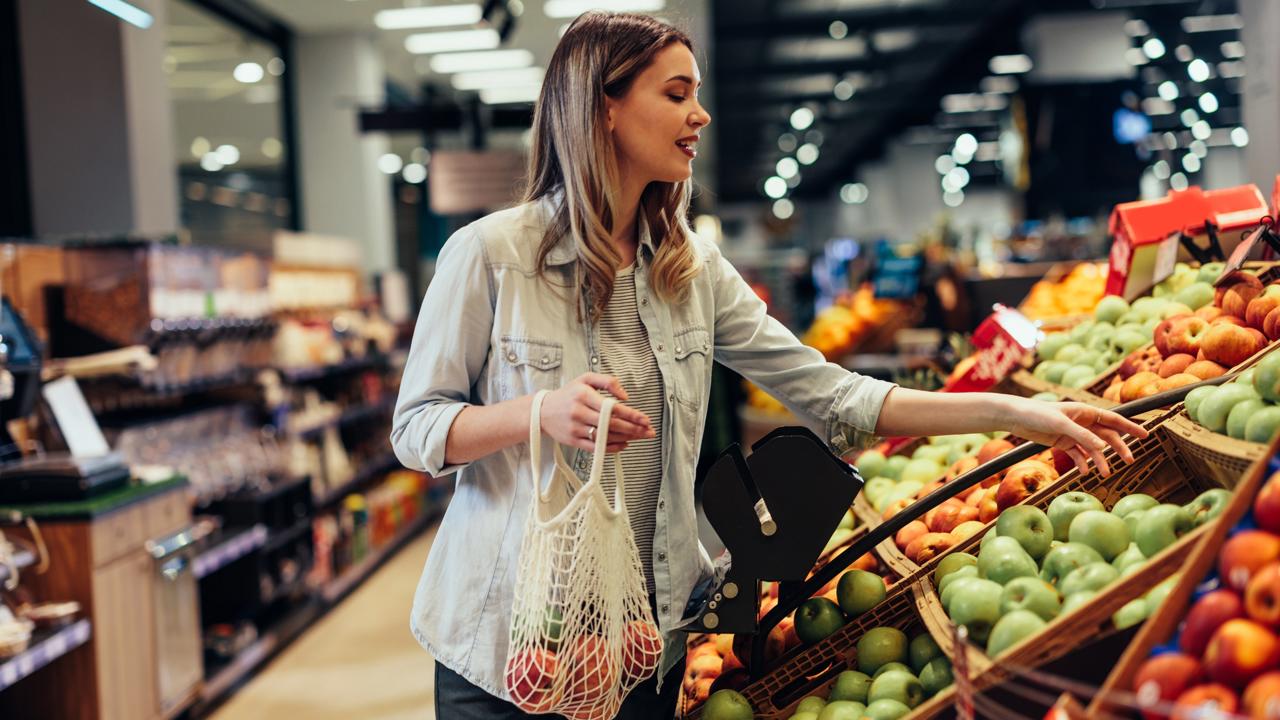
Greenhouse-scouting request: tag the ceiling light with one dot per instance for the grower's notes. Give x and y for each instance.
(574, 8)
(815, 137)
(959, 177)
(1201, 130)
(227, 154)
(210, 162)
(783, 209)
(414, 173)
(126, 12)
(966, 144)
(943, 164)
(1198, 70)
(1232, 50)
(843, 90)
(390, 163)
(1161, 169)
(787, 142)
(1178, 181)
(838, 30)
(1239, 137)
(1010, 64)
(998, 84)
(248, 72)
(1212, 23)
(775, 187)
(1157, 106)
(853, 193)
(420, 155)
(953, 199)
(802, 118)
(793, 182)
(489, 79)
(807, 154)
(1136, 28)
(787, 167)
(452, 41)
(1170, 141)
(275, 66)
(1154, 48)
(200, 147)
(1168, 90)
(1190, 117)
(484, 60)
(272, 148)
(1183, 52)
(1191, 163)
(1209, 102)
(510, 95)
(1199, 148)
(422, 17)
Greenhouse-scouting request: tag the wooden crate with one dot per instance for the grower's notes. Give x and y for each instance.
(1224, 459)
(1161, 625)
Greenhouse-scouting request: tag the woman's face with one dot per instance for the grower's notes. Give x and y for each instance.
(655, 125)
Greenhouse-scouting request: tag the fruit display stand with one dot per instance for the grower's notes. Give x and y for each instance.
(1197, 578)
(1066, 295)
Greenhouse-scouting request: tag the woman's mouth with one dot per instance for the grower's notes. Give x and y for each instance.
(688, 147)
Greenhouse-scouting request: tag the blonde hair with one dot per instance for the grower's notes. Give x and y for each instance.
(600, 55)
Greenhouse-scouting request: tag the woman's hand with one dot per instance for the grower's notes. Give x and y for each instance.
(1082, 431)
(571, 414)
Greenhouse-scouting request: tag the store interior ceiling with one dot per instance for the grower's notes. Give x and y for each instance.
(852, 75)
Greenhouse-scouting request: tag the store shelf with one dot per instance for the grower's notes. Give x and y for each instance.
(249, 659)
(351, 416)
(45, 648)
(341, 585)
(230, 550)
(311, 374)
(380, 466)
(280, 538)
(21, 558)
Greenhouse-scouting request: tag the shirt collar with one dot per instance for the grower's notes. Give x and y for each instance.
(564, 251)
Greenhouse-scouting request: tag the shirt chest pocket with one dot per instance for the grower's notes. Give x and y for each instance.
(692, 352)
(529, 365)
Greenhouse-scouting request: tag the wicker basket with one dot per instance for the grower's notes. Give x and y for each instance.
(1209, 454)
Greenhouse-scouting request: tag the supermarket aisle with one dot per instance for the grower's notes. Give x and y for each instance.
(358, 662)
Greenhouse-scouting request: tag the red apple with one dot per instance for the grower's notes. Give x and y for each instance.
(1022, 481)
(943, 518)
(1185, 334)
(993, 449)
(1205, 369)
(1245, 553)
(988, 507)
(1161, 334)
(906, 535)
(1259, 337)
(928, 488)
(1266, 507)
(1262, 697)
(1234, 299)
(1205, 617)
(593, 670)
(896, 507)
(1230, 345)
(1262, 595)
(1163, 678)
(1175, 364)
(960, 467)
(1062, 462)
(1271, 326)
(1177, 381)
(1227, 320)
(1200, 702)
(1240, 651)
(1208, 312)
(530, 678)
(641, 650)
(1256, 314)
(928, 546)
(1138, 386)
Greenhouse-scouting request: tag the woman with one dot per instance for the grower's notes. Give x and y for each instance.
(596, 285)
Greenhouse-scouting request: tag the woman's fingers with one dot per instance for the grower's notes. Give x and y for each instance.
(1108, 419)
(1116, 442)
(1079, 458)
(1090, 444)
(608, 383)
(595, 401)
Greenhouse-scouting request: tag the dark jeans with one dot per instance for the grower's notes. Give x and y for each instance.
(458, 699)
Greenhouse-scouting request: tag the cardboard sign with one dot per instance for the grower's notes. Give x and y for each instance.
(1003, 340)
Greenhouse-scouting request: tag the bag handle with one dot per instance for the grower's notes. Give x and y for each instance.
(597, 461)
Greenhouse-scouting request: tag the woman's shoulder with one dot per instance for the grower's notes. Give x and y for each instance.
(506, 237)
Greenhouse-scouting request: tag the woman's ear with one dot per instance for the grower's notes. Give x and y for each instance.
(609, 106)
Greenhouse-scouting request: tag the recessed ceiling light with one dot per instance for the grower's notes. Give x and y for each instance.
(421, 17)
(452, 41)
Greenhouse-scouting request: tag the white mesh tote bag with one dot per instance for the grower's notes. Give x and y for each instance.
(582, 632)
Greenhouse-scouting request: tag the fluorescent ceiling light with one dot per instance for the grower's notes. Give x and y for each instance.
(496, 79)
(500, 96)
(248, 73)
(452, 41)
(126, 12)
(1010, 64)
(1212, 23)
(574, 8)
(420, 17)
(483, 60)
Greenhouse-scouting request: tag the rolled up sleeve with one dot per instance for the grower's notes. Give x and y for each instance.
(841, 405)
(449, 349)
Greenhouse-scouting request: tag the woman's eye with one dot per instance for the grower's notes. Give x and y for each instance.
(676, 98)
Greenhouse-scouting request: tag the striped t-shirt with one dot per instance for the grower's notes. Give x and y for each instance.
(625, 354)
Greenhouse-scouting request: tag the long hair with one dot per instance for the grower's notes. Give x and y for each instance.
(573, 153)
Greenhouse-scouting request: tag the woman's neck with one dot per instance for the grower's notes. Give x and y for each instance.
(625, 239)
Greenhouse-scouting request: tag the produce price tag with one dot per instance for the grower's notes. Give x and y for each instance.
(1002, 340)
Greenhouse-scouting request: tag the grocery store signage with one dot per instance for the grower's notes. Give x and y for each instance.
(1002, 341)
(896, 278)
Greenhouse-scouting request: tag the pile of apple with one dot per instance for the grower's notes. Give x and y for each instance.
(1226, 655)
(1247, 408)
(895, 482)
(1035, 566)
(1192, 346)
(894, 676)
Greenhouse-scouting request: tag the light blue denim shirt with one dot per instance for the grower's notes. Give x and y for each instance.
(491, 330)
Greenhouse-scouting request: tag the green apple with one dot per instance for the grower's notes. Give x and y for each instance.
(1209, 272)
(1126, 339)
(1066, 507)
(871, 463)
(991, 535)
(1262, 426)
(897, 685)
(813, 704)
(1071, 602)
(1081, 331)
(923, 649)
(976, 606)
(881, 646)
(944, 589)
(1094, 576)
(1079, 376)
(1175, 308)
(1046, 396)
(1131, 521)
(922, 471)
(816, 619)
(1088, 357)
(843, 710)
(850, 685)
(1063, 560)
(1266, 377)
(1110, 308)
(1003, 559)
(1051, 345)
(1214, 409)
(886, 710)
(1034, 594)
(936, 676)
(1208, 505)
(1069, 353)
(888, 667)
(1195, 398)
(1130, 614)
(876, 489)
(1246, 377)
(1131, 556)
(1012, 629)
(904, 490)
(1161, 591)
(1100, 339)
(1160, 527)
(893, 466)
(951, 563)
(1101, 531)
(1056, 371)
(1129, 503)
(848, 521)
(1029, 526)
(1240, 415)
(935, 453)
(1195, 296)
(802, 716)
(858, 591)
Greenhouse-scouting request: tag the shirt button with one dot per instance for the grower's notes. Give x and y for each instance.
(582, 463)
(595, 360)
(546, 361)
(662, 504)
(661, 347)
(662, 557)
(665, 608)
(511, 357)
(677, 349)
(644, 301)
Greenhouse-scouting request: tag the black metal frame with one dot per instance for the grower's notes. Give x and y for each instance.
(15, 188)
